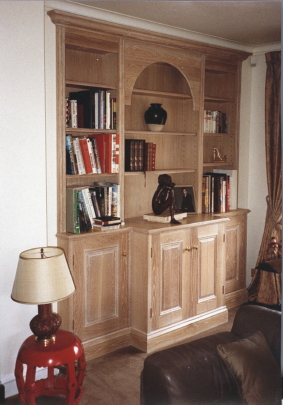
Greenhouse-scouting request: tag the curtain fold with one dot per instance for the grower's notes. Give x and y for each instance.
(273, 227)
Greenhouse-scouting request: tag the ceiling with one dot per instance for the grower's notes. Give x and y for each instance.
(245, 22)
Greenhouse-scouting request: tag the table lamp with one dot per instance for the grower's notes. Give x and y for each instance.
(43, 277)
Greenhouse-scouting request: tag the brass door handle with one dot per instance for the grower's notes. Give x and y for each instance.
(124, 254)
(188, 249)
(195, 247)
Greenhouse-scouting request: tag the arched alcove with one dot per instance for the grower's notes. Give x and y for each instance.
(162, 83)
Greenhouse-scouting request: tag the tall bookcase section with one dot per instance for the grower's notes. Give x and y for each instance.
(221, 101)
(89, 64)
(173, 82)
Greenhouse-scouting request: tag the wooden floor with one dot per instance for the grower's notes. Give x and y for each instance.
(114, 379)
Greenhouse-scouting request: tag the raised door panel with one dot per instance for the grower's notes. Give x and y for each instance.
(236, 254)
(171, 273)
(208, 266)
(100, 276)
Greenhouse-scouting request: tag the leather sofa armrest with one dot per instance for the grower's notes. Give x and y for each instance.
(251, 318)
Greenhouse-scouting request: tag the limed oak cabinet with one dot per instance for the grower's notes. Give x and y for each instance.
(150, 284)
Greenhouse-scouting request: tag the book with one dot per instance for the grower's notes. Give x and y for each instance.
(94, 202)
(84, 101)
(79, 156)
(86, 155)
(117, 153)
(74, 112)
(72, 210)
(106, 227)
(109, 196)
(91, 155)
(134, 155)
(215, 122)
(85, 221)
(232, 189)
(70, 164)
(164, 218)
(107, 220)
(216, 192)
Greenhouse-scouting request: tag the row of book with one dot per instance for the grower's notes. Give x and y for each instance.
(95, 108)
(98, 153)
(93, 207)
(139, 155)
(219, 191)
(215, 122)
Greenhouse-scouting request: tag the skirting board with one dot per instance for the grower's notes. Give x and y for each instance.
(178, 332)
(9, 381)
(237, 298)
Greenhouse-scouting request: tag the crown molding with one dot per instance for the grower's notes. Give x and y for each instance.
(117, 18)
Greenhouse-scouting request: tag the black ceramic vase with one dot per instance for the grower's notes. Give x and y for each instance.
(155, 117)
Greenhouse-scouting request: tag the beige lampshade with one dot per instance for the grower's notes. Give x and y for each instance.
(42, 277)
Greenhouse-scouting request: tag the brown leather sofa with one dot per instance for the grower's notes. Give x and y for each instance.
(237, 367)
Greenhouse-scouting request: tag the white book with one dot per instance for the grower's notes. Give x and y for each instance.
(89, 205)
(79, 156)
(74, 113)
(91, 155)
(108, 110)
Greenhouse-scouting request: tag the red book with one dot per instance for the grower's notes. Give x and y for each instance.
(108, 152)
(86, 157)
(153, 156)
(117, 153)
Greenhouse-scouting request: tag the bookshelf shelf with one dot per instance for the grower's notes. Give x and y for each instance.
(88, 85)
(218, 134)
(88, 131)
(216, 164)
(149, 133)
(157, 172)
(218, 99)
(162, 94)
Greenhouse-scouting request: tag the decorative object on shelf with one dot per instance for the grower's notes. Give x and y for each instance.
(164, 198)
(43, 277)
(185, 198)
(217, 156)
(155, 117)
(164, 218)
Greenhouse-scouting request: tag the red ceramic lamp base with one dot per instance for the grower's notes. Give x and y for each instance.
(45, 325)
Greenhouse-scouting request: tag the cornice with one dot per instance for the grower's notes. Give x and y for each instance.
(115, 18)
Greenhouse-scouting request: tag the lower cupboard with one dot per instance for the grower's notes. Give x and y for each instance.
(149, 285)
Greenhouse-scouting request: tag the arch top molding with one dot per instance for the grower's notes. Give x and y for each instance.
(65, 19)
(137, 58)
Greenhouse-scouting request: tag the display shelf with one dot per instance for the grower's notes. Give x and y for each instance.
(149, 133)
(88, 131)
(161, 94)
(157, 172)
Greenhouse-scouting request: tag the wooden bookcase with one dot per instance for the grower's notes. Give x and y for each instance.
(120, 297)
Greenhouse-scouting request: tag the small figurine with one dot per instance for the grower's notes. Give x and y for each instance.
(217, 157)
(163, 197)
(272, 250)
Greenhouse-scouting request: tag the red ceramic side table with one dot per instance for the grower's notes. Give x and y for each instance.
(66, 351)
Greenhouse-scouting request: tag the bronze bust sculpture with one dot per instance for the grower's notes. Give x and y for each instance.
(163, 197)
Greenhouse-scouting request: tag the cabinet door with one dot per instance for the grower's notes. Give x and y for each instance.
(235, 286)
(100, 276)
(208, 267)
(170, 278)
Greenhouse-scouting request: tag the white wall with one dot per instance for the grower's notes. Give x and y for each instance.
(252, 165)
(22, 161)
(28, 156)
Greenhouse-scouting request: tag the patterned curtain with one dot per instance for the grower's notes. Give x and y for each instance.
(273, 227)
